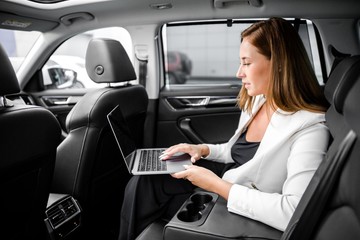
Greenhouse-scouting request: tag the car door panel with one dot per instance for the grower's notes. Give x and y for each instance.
(204, 115)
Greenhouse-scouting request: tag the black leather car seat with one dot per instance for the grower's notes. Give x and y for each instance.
(29, 136)
(330, 206)
(89, 165)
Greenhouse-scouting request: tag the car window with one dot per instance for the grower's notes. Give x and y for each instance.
(207, 53)
(66, 67)
(17, 44)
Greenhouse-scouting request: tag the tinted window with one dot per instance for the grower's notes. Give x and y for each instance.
(208, 53)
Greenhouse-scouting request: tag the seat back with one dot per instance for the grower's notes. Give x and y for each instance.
(89, 165)
(29, 137)
(330, 206)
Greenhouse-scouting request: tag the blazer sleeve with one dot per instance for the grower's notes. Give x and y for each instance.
(308, 148)
(220, 152)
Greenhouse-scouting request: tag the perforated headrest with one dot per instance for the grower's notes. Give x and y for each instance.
(8, 83)
(341, 80)
(107, 62)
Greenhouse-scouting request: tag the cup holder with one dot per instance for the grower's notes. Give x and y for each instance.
(196, 207)
(201, 198)
(191, 213)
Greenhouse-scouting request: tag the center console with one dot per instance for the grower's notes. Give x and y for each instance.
(205, 216)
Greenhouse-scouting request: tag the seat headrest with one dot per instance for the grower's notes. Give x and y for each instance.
(341, 80)
(107, 62)
(8, 83)
(352, 105)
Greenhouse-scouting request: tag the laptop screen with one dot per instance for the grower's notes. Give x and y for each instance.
(122, 134)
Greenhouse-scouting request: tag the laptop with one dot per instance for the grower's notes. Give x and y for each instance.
(144, 161)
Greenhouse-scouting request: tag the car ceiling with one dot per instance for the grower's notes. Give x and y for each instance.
(141, 12)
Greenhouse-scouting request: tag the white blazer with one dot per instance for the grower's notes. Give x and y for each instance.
(269, 186)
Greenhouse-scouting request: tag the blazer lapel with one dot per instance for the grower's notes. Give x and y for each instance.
(282, 125)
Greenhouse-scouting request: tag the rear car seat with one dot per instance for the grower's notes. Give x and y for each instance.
(330, 207)
(332, 193)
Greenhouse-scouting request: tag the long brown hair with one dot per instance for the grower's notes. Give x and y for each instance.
(293, 85)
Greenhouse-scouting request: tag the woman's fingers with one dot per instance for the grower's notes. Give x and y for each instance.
(175, 150)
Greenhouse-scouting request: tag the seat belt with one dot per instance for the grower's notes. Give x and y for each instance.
(141, 54)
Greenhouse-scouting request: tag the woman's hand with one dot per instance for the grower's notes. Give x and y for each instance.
(195, 151)
(204, 179)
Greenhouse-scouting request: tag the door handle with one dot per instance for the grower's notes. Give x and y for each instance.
(187, 102)
(223, 101)
(58, 101)
(182, 102)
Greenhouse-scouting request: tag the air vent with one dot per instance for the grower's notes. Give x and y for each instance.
(62, 212)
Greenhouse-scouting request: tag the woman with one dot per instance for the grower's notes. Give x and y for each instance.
(264, 169)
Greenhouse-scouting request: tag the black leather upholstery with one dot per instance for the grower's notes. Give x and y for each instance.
(100, 59)
(29, 136)
(340, 82)
(89, 165)
(330, 206)
(8, 83)
(154, 231)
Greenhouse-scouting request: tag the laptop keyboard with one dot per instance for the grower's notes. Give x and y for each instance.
(149, 161)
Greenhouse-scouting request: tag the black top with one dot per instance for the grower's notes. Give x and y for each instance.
(242, 150)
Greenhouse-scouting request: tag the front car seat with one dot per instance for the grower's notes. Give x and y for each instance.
(28, 142)
(89, 165)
